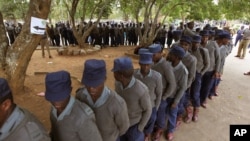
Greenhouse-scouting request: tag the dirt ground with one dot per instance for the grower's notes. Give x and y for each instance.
(230, 107)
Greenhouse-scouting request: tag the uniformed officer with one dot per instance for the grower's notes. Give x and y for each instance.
(213, 70)
(168, 86)
(71, 120)
(110, 109)
(17, 123)
(137, 98)
(223, 40)
(202, 65)
(181, 75)
(152, 79)
(190, 63)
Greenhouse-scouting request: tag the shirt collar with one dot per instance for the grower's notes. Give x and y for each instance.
(12, 122)
(131, 83)
(148, 75)
(101, 100)
(186, 54)
(177, 66)
(160, 61)
(66, 111)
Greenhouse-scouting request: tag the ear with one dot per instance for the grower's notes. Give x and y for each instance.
(6, 105)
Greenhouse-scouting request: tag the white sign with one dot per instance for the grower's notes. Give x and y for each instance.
(37, 26)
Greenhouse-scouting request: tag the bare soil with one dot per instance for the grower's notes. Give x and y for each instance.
(230, 107)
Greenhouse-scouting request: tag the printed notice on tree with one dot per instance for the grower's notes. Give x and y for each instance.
(37, 26)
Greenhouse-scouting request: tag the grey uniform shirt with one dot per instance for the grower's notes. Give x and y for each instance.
(76, 123)
(190, 62)
(203, 61)
(110, 111)
(154, 83)
(181, 76)
(246, 34)
(168, 79)
(223, 54)
(214, 55)
(137, 98)
(23, 126)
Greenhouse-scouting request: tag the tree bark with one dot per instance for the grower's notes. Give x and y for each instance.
(72, 15)
(4, 43)
(81, 38)
(19, 54)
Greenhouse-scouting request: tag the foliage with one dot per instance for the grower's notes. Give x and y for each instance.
(14, 9)
(205, 9)
(135, 9)
(235, 9)
(106, 12)
(84, 10)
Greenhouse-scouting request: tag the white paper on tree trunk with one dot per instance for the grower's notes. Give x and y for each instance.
(37, 26)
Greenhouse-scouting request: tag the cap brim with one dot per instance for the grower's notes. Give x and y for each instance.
(145, 62)
(57, 96)
(93, 82)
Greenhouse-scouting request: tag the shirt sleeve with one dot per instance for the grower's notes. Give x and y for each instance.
(146, 110)
(158, 91)
(206, 61)
(121, 118)
(170, 82)
(217, 59)
(182, 86)
(191, 72)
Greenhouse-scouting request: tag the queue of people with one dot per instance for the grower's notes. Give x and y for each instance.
(147, 102)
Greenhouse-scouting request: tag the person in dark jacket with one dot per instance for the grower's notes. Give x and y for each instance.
(239, 35)
(170, 36)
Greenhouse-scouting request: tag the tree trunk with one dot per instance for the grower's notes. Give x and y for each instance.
(19, 54)
(72, 15)
(4, 43)
(81, 38)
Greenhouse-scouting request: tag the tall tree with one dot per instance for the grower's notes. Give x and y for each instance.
(154, 13)
(15, 59)
(96, 6)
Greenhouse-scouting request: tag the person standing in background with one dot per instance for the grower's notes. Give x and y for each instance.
(239, 35)
(244, 44)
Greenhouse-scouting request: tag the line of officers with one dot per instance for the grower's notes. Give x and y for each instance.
(157, 97)
(103, 34)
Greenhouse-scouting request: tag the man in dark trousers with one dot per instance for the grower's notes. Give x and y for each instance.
(152, 79)
(168, 86)
(181, 75)
(239, 35)
(137, 98)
